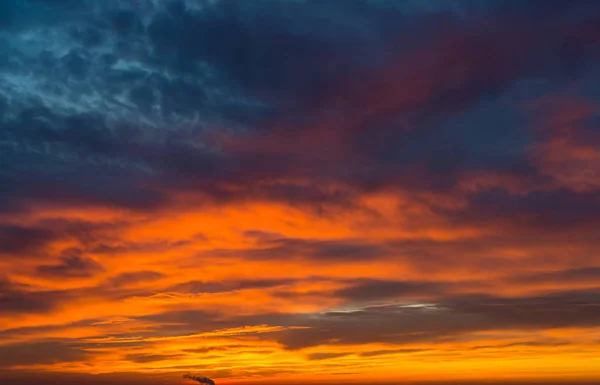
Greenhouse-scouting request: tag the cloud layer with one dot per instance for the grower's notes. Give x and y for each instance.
(268, 190)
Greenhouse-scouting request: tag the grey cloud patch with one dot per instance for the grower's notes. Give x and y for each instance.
(435, 320)
(329, 251)
(19, 298)
(143, 358)
(326, 356)
(525, 344)
(581, 275)
(209, 349)
(383, 352)
(60, 178)
(547, 210)
(197, 320)
(372, 325)
(61, 378)
(30, 331)
(137, 247)
(554, 310)
(226, 286)
(262, 236)
(365, 290)
(532, 344)
(51, 352)
(23, 240)
(135, 277)
(449, 318)
(33, 240)
(72, 265)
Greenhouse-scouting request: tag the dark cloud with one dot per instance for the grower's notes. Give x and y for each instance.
(18, 298)
(262, 235)
(542, 210)
(226, 286)
(33, 240)
(263, 46)
(135, 277)
(23, 185)
(580, 275)
(198, 320)
(137, 247)
(550, 311)
(63, 378)
(326, 356)
(50, 352)
(72, 265)
(446, 319)
(367, 290)
(30, 331)
(143, 358)
(60, 378)
(532, 344)
(383, 352)
(147, 105)
(431, 321)
(329, 250)
(145, 83)
(209, 349)
(23, 240)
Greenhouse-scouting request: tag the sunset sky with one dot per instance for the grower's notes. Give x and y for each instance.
(299, 191)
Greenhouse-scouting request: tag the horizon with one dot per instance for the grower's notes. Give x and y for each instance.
(325, 192)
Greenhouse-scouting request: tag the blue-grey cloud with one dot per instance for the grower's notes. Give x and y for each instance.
(113, 101)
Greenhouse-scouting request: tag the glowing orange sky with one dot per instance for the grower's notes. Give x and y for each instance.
(219, 290)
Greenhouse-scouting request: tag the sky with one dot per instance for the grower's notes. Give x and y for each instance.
(299, 191)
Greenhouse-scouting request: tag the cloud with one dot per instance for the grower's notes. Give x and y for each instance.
(344, 250)
(57, 378)
(523, 344)
(135, 277)
(541, 210)
(549, 311)
(380, 290)
(18, 298)
(368, 178)
(583, 274)
(227, 286)
(447, 318)
(142, 358)
(72, 265)
(214, 348)
(438, 321)
(384, 352)
(138, 72)
(326, 356)
(137, 247)
(39, 353)
(33, 240)
(23, 240)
